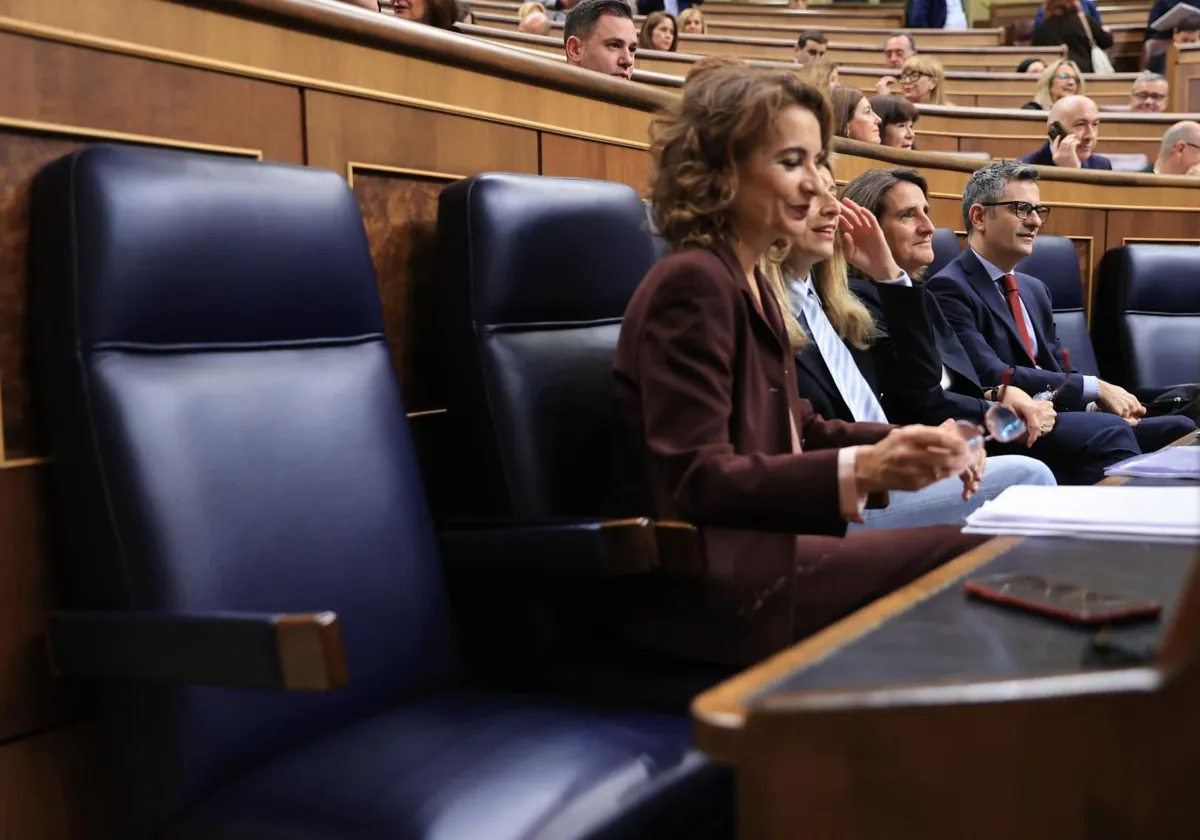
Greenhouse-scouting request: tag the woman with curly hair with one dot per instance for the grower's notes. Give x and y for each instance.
(712, 430)
(658, 33)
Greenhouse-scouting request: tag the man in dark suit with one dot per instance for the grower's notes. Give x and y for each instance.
(1005, 319)
(937, 379)
(1077, 148)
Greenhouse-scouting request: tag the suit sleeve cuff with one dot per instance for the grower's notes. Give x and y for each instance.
(902, 280)
(850, 501)
(1091, 388)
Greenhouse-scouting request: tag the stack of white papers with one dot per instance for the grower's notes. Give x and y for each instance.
(1142, 514)
(1172, 462)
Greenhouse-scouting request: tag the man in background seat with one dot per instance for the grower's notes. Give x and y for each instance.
(1006, 320)
(1077, 148)
(1179, 153)
(599, 35)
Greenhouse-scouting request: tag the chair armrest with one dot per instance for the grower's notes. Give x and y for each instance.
(279, 651)
(569, 549)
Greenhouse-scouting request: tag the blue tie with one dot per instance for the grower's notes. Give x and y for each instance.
(849, 379)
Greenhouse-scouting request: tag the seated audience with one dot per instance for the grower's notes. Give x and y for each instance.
(1185, 33)
(599, 36)
(897, 49)
(936, 379)
(691, 22)
(1006, 320)
(897, 121)
(1076, 149)
(1066, 24)
(1062, 78)
(1033, 66)
(442, 14)
(1089, 8)
(924, 81)
(810, 45)
(714, 432)
(936, 14)
(853, 116)
(1149, 94)
(658, 33)
(1180, 151)
(831, 334)
(534, 19)
(819, 73)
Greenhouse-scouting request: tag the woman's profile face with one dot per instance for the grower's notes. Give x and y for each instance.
(864, 125)
(821, 230)
(778, 181)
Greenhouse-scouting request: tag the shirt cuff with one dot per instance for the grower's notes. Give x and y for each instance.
(850, 502)
(902, 280)
(1091, 388)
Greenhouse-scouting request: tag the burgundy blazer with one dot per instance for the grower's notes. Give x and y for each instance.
(704, 386)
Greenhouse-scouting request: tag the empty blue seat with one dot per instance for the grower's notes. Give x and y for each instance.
(244, 510)
(1055, 262)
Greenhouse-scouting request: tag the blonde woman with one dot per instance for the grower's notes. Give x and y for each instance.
(924, 81)
(692, 22)
(819, 73)
(1061, 78)
(534, 19)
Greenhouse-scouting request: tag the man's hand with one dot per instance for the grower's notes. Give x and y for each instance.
(1039, 415)
(884, 86)
(911, 458)
(1116, 400)
(1064, 151)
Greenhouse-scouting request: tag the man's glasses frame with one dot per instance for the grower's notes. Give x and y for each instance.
(1023, 208)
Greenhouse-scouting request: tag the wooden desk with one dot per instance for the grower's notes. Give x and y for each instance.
(859, 731)
(873, 16)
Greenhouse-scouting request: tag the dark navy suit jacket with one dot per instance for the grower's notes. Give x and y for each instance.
(906, 319)
(1045, 157)
(981, 318)
(927, 14)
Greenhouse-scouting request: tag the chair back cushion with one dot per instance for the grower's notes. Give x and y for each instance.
(228, 435)
(1152, 294)
(540, 271)
(946, 249)
(1055, 262)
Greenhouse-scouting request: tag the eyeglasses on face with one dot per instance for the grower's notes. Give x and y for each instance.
(1153, 97)
(1023, 208)
(1066, 76)
(913, 75)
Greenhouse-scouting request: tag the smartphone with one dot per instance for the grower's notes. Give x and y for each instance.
(1060, 599)
(1055, 131)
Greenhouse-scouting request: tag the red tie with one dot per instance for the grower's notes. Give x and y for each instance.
(1014, 304)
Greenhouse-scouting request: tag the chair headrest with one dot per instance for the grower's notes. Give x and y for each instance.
(946, 249)
(126, 218)
(1055, 262)
(1162, 278)
(590, 248)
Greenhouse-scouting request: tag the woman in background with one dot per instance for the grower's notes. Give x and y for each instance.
(897, 121)
(923, 81)
(658, 33)
(691, 22)
(853, 116)
(1062, 78)
(1033, 66)
(711, 428)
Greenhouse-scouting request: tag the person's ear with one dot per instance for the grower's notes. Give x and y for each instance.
(976, 214)
(574, 48)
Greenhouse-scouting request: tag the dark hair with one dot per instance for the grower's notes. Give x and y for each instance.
(811, 35)
(842, 102)
(912, 45)
(726, 110)
(892, 110)
(648, 26)
(1190, 24)
(442, 14)
(870, 189)
(1024, 66)
(987, 184)
(582, 19)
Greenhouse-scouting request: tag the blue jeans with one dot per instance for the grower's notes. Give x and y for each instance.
(942, 503)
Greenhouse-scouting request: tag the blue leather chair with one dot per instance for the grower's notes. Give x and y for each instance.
(1148, 312)
(1055, 262)
(946, 249)
(245, 515)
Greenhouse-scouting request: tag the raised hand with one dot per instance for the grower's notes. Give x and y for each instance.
(865, 245)
(1064, 151)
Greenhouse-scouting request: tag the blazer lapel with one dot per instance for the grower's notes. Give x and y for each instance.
(985, 287)
(767, 321)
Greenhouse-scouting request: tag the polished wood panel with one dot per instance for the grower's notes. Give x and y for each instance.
(573, 158)
(51, 788)
(30, 697)
(58, 83)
